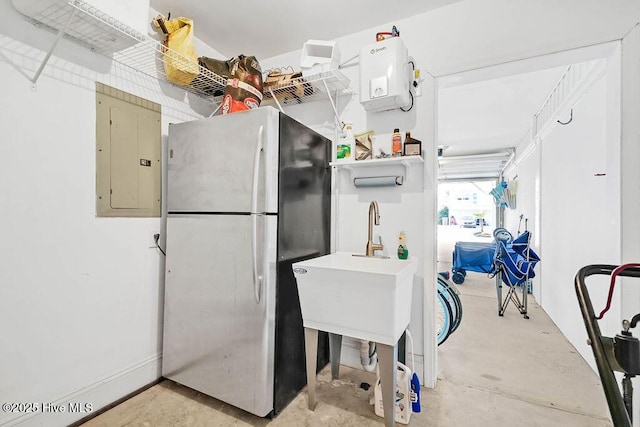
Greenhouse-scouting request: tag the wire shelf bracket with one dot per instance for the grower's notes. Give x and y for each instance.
(326, 85)
(53, 47)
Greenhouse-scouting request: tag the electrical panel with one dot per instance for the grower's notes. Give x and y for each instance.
(128, 155)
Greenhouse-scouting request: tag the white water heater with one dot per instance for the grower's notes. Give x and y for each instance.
(385, 76)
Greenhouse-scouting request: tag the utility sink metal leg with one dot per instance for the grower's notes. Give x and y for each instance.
(311, 352)
(387, 359)
(335, 347)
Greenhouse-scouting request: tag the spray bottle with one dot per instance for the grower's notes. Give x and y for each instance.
(346, 148)
(350, 140)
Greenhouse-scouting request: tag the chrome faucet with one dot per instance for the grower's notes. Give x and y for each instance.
(375, 216)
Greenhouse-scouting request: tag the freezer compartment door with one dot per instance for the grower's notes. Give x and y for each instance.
(224, 163)
(219, 324)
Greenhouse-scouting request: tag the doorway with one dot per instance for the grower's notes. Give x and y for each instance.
(514, 108)
(482, 119)
(466, 212)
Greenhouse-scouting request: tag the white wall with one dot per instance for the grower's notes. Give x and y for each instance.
(429, 115)
(80, 296)
(579, 215)
(574, 214)
(629, 161)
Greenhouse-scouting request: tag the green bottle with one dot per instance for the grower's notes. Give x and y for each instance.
(403, 250)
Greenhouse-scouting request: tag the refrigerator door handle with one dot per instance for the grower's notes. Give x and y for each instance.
(257, 279)
(256, 171)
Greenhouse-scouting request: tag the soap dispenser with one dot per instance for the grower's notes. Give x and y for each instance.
(403, 250)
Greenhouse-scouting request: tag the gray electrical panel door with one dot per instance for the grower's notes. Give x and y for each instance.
(128, 155)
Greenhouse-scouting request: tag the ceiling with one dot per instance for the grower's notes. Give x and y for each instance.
(266, 29)
(494, 113)
(479, 123)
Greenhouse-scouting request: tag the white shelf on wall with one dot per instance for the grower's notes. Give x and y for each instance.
(82, 23)
(387, 161)
(351, 165)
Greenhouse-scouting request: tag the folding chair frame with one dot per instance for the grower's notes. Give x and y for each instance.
(511, 296)
(507, 271)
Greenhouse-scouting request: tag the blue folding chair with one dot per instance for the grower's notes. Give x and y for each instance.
(513, 266)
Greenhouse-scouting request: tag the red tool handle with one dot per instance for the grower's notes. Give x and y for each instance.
(612, 285)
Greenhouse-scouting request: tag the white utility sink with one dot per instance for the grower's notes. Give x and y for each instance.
(362, 297)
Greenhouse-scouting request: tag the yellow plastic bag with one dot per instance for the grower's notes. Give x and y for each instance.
(180, 57)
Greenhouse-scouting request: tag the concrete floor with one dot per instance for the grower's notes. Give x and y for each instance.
(493, 371)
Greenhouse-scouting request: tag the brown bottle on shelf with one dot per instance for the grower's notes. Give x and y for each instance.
(412, 146)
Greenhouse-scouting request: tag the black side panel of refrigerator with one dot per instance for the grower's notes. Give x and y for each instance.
(304, 221)
(290, 368)
(304, 191)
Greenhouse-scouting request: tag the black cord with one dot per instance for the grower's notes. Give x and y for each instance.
(163, 252)
(156, 237)
(413, 65)
(409, 109)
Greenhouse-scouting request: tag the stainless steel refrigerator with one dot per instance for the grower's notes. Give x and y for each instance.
(248, 195)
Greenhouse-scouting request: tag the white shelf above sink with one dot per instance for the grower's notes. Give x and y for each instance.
(351, 165)
(387, 161)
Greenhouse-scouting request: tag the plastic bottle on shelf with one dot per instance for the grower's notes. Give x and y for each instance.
(342, 153)
(403, 250)
(396, 143)
(411, 146)
(407, 138)
(350, 140)
(346, 147)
